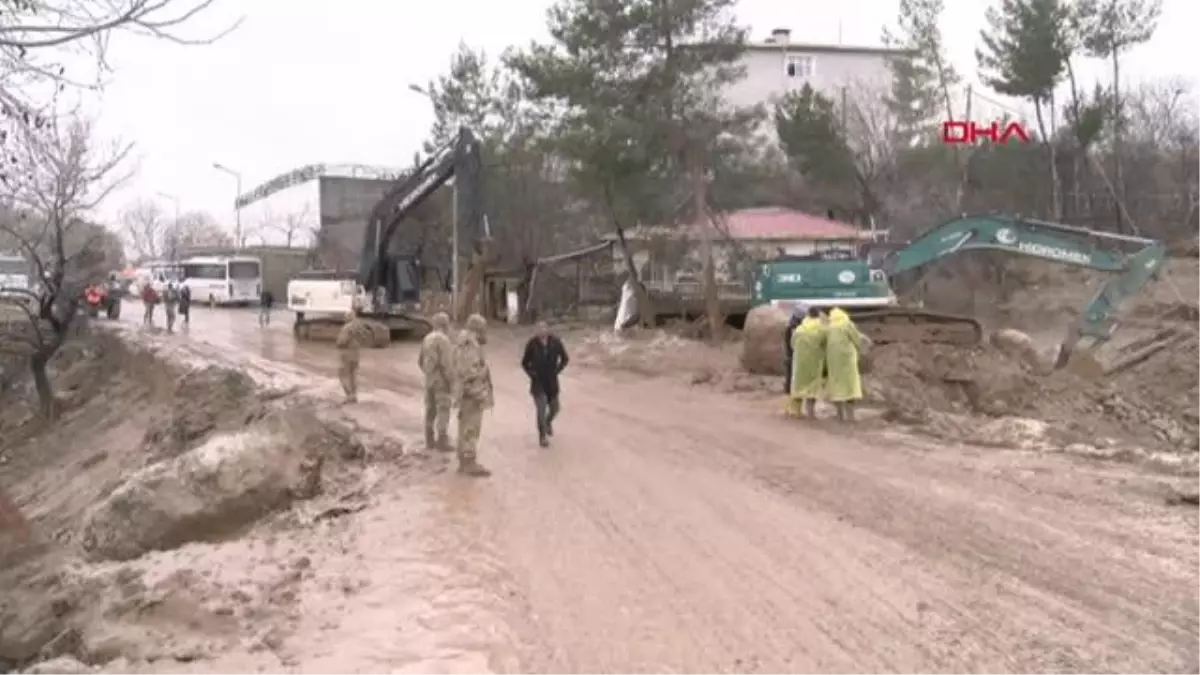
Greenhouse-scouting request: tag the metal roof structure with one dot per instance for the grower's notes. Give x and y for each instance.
(312, 172)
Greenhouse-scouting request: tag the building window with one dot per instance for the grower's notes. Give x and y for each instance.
(800, 65)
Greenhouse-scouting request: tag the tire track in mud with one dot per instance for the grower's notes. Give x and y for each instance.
(981, 530)
(670, 529)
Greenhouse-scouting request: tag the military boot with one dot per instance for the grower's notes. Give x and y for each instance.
(443, 444)
(469, 467)
(430, 443)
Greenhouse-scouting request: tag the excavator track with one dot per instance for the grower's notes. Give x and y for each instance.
(904, 324)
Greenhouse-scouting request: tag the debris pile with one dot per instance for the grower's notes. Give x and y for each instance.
(1147, 393)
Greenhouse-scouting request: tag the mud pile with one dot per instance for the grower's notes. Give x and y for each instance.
(150, 457)
(1144, 399)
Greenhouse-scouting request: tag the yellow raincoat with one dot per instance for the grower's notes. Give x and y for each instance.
(808, 360)
(842, 345)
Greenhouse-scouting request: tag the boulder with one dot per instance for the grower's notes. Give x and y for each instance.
(762, 340)
(203, 494)
(1018, 345)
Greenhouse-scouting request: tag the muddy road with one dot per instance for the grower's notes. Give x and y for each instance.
(674, 529)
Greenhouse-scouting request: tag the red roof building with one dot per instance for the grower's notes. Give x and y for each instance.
(769, 224)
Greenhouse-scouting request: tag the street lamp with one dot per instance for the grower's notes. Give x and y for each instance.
(237, 208)
(418, 89)
(174, 199)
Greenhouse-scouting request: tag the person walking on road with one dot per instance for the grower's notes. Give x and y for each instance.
(474, 393)
(437, 364)
(170, 300)
(149, 300)
(544, 358)
(807, 378)
(185, 304)
(265, 301)
(349, 341)
(843, 343)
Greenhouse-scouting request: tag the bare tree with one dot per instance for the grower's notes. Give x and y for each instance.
(36, 34)
(144, 227)
(63, 177)
(293, 226)
(198, 229)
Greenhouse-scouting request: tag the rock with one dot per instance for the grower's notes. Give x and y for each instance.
(762, 340)
(1017, 344)
(211, 491)
(60, 664)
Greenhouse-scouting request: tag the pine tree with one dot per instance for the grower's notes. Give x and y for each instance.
(1024, 54)
(638, 86)
(923, 79)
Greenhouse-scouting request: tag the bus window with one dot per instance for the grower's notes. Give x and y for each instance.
(14, 266)
(204, 271)
(243, 270)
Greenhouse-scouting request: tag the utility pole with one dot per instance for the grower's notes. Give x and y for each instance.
(237, 207)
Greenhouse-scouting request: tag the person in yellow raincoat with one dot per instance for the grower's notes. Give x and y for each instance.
(808, 365)
(843, 343)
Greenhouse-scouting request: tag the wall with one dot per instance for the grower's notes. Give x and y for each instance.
(684, 257)
(834, 68)
(345, 207)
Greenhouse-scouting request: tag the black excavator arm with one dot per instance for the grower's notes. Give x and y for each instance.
(393, 277)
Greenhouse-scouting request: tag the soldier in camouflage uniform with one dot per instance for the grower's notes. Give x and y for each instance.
(352, 337)
(437, 363)
(474, 392)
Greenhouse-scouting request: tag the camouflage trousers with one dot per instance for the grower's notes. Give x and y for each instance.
(437, 413)
(348, 373)
(470, 425)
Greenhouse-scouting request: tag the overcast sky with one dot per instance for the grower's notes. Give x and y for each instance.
(305, 81)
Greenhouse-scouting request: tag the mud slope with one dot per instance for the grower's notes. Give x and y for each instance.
(162, 517)
(673, 528)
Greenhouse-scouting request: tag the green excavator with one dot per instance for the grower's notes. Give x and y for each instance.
(866, 289)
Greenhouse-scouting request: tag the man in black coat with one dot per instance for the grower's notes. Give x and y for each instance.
(544, 358)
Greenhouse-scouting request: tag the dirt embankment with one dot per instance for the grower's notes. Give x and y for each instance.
(151, 457)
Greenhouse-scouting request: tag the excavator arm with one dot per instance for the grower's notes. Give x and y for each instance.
(1132, 261)
(392, 277)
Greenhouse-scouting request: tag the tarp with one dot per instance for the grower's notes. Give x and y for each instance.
(627, 309)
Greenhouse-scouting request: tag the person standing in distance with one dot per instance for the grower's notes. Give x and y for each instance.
(437, 364)
(474, 393)
(544, 358)
(350, 339)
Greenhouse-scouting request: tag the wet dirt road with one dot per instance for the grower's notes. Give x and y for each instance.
(674, 529)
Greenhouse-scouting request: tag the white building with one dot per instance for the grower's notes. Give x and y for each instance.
(288, 209)
(777, 66)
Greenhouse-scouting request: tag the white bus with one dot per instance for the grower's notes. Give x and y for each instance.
(157, 273)
(223, 280)
(14, 276)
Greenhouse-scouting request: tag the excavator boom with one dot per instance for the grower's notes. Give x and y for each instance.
(387, 286)
(871, 294)
(1132, 261)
